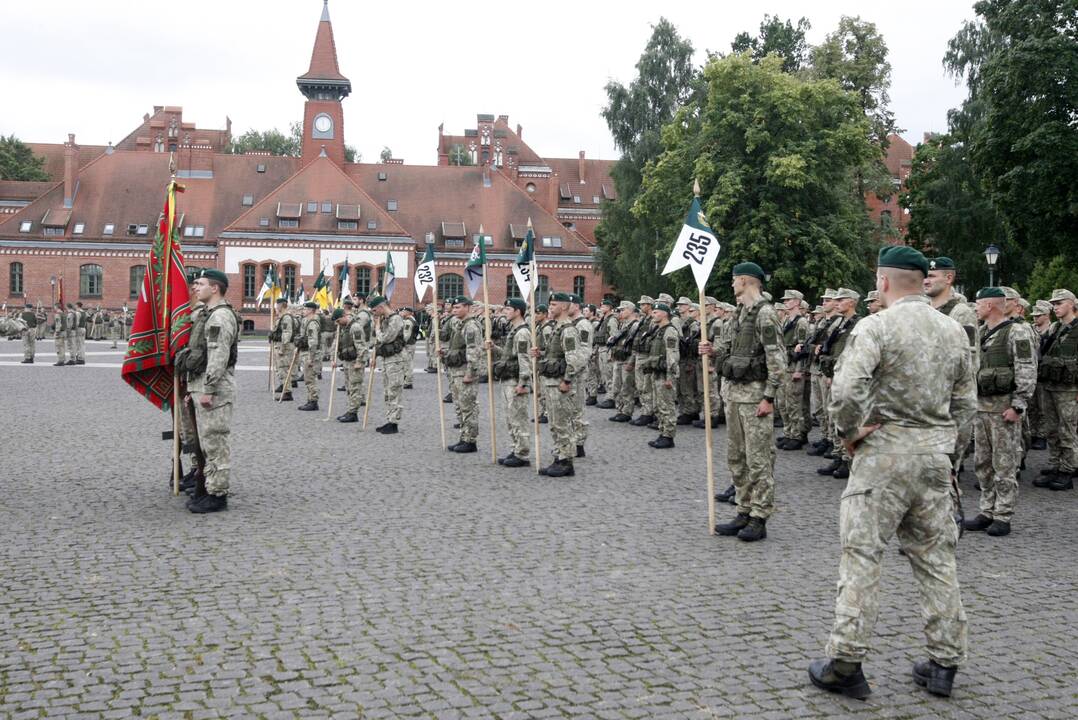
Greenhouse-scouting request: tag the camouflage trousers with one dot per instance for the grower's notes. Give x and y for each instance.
(644, 390)
(1035, 413)
(687, 393)
(356, 381)
(80, 344)
(29, 344)
(285, 353)
(908, 495)
(590, 376)
(465, 403)
(560, 408)
(1061, 416)
(394, 372)
(998, 456)
(517, 418)
(312, 366)
(665, 405)
(431, 361)
(825, 400)
(215, 435)
(790, 398)
(72, 341)
(40, 330)
(750, 455)
(816, 398)
(579, 425)
(625, 384)
(606, 369)
(409, 363)
(61, 347)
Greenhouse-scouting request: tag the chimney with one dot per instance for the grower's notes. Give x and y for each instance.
(581, 167)
(71, 169)
(520, 131)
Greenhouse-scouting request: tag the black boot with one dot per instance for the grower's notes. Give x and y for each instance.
(592, 400)
(755, 530)
(977, 524)
(620, 417)
(348, 417)
(277, 390)
(512, 461)
(687, 418)
(209, 504)
(794, 443)
(287, 397)
(654, 424)
(999, 528)
(662, 442)
(1062, 481)
(846, 679)
(1045, 478)
(818, 450)
(559, 468)
(1038, 443)
(726, 494)
(309, 405)
(387, 429)
(580, 451)
(606, 404)
(842, 471)
(464, 447)
(734, 526)
(933, 677)
(448, 398)
(830, 469)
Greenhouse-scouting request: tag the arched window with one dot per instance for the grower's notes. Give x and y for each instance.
(250, 288)
(542, 290)
(512, 290)
(15, 279)
(288, 280)
(578, 286)
(450, 285)
(363, 280)
(91, 280)
(136, 274)
(248, 326)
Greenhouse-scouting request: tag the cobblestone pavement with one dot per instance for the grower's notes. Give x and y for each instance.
(359, 575)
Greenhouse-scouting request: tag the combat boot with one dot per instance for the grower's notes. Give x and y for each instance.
(1062, 481)
(1038, 443)
(755, 530)
(28, 361)
(999, 528)
(58, 364)
(1045, 478)
(726, 494)
(559, 468)
(580, 451)
(591, 400)
(654, 424)
(448, 398)
(309, 405)
(933, 677)
(209, 504)
(829, 469)
(687, 418)
(842, 472)
(407, 386)
(977, 524)
(662, 442)
(388, 429)
(287, 397)
(511, 460)
(348, 417)
(734, 526)
(620, 417)
(839, 677)
(606, 404)
(464, 447)
(80, 362)
(823, 447)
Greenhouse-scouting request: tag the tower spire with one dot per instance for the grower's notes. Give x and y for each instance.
(323, 78)
(324, 87)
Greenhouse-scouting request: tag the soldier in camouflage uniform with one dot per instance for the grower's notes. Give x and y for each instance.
(1058, 372)
(715, 322)
(826, 324)
(902, 388)
(42, 322)
(284, 334)
(464, 358)
(309, 343)
(81, 321)
(411, 336)
(59, 330)
(29, 334)
(545, 328)
(688, 403)
(356, 341)
(71, 334)
(1042, 326)
(585, 332)
(390, 342)
(561, 363)
(512, 366)
(641, 347)
(209, 361)
(621, 357)
(792, 391)
(591, 378)
(752, 360)
(663, 366)
(1006, 380)
(606, 328)
(830, 353)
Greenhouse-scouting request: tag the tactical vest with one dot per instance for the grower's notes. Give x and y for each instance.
(413, 333)
(81, 315)
(457, 355)
(1060, 362)
(197, 355)
(688, 341)
(30, 319)
(346, 346)
(602, 333)
(996, 373)
(541, 337)
(746, 361)
(507, 367)
(657, 352)
(302, 342)
(830, 353)
(393, 347)
(642, 339)
(553, 363)
(948, 307)
(789, 337)
(622, 349)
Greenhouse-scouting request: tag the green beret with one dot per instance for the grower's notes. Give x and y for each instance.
(751, 269)
(192, 273)
(517, 303)
(608, 301)
(990, 292)
(592, 308)
(462, 300)
(408, 309)
(561, 297)
(282, 300)
(311, 304)
(215, 275)
(338, 314)
(541, 308)
(661, 306)
(903, 258)
(375, 300)
(348, 302)
(359, 295)
(941, 263)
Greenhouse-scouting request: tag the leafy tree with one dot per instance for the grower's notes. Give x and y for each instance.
(18, 162)
(386, 155)
(666, 79)
(774, 154)
(276, 142)
(779, 37)
(1047, 275)
(459, 155)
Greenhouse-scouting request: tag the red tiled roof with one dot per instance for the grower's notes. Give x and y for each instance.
(324, 56)
(596, 176)
(54, 156)
(20, 190)
(56, 217)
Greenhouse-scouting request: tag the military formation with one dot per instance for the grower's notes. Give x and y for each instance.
(72, 325)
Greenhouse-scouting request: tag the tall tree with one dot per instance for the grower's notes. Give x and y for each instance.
(18, 162)
(666, 79)
(780, 37)
(276, 142)
(774, 154)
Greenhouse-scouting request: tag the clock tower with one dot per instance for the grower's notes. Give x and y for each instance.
(324, 87)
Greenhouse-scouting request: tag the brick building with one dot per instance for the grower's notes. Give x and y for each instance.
(93, 222)
(892, 218)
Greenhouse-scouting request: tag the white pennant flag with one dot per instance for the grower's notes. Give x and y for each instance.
(425, 275)
(696, 246)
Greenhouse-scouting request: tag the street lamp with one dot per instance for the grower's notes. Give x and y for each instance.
(991, 256)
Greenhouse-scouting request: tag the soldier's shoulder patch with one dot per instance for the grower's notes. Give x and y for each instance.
(212, 332)
(570, 344)
(971, 333)
(522, 346)
(671, 342)
(583, 335)
(1024, 349)
(770, 334)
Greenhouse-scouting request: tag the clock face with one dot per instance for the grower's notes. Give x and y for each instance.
(322, 123)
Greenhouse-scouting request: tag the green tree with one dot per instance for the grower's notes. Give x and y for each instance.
(1047, 275)
(774, 154)
(459, 155)
(18, 162)
(386, 155)
(666, 79)
(780, 37)
(276, 142)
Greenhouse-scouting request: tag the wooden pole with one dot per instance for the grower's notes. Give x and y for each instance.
(333, 375)
(438, 360)
(706, 361)
(175, 436)
(370, 379)
(286, 386)
(535, 369)
(271, 353)
(490, 371)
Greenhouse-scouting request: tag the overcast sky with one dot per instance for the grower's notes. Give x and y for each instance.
(93, 68)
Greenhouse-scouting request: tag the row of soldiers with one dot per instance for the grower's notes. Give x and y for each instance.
(72, 326)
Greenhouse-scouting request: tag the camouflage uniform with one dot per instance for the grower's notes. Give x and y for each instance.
(286, 349)
(59, 330)
(514, 357)
(957, 309)
(688, 374)
(1006, 379)
(663, 365)
(1058, 372)
(585, 332)
(29, 335)
(641, 346)
(752, 360)
(411, 335)
(71, 335)
(545, 332)
(564, 346)
(215, 424)
(606, 329)
(360, 337)
(795, 425)
(624, 374)
(466, 358)
(312, 356)
(389, 337)
(907, 369)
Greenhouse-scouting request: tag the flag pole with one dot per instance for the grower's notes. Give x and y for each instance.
(333, 375)
(370, 380)
(271, 353)
(490, 363)
(167, 327)
(534, 270)
(437, 347)
(706, 365)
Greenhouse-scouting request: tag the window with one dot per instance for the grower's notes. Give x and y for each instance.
(108, 229)
(91, 279)
(260, 168)
(381, 177)
(288, 222)
(79, 228)
(530, 187)
(263, 221)
(595, 199)
(248, 326)
(312, 206)
(363, 280)
(391, 205)
(372, 224)
(347, 225)
(327, 206)
(25, 225)
(450, 285)
(454, 242)
(289, 276)
(578, 286)
(248, 200)
(194, 231)
(542, 290)
(53, 230)
(249, 289)
(15, 279)
(552, 242)
(135, 275)
(143, 229)
(576, 199)
(885, 219)
(132, 229)
(512, 290)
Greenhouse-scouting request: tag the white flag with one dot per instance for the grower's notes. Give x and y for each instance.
(696, 247)
(425, 274)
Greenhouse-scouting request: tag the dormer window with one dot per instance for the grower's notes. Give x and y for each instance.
(248, 200)
(261, 168)
(79, 228)
(26, 225)
(391, 205)
(108, 229)
(142, 229)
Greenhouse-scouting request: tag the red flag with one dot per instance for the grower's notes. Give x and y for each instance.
(162, 323)
(62, 290)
